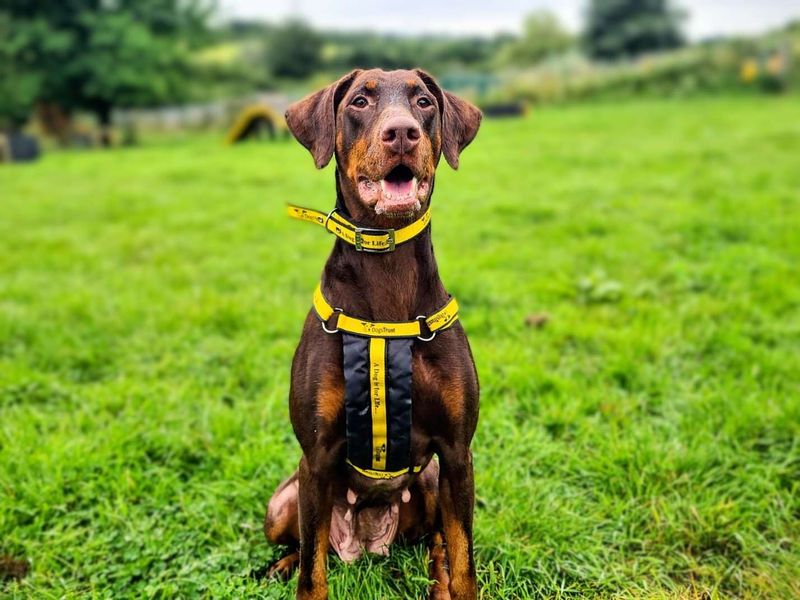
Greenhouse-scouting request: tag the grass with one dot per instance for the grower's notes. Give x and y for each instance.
(643, 443)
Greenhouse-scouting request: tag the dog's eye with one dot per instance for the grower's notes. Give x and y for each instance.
(424, 102)
(359, 102)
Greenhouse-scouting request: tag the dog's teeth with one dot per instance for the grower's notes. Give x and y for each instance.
(406, 496)
(351, 496)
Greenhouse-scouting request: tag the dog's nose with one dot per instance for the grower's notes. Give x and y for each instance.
(400, 134)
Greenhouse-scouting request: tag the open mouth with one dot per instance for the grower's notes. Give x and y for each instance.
(397, 194)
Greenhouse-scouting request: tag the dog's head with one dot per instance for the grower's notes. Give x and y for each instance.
(388, 131)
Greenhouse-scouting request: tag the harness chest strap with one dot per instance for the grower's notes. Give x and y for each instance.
(365, 239)
(377, 374)
(442, 319)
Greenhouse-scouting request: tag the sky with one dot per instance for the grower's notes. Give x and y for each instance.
(706, 17)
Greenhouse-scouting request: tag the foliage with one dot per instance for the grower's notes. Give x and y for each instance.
(294, 50)
(18, 85)
(342, 51)
(93, 55)
(543, 36)
(627, 28)
(720, 66)
(229, 70)
(351, 50)
(643, 443)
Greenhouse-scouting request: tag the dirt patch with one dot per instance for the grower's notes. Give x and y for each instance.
(13, 568)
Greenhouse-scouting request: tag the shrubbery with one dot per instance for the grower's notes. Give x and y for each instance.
(738, 66)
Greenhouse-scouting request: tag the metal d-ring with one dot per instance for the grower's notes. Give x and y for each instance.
(321, 322)
(419, 337)
(328, 218)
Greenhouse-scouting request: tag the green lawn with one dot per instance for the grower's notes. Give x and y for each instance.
(643, 443)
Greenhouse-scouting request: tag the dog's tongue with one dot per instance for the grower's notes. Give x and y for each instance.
(397, 195)
(399, 188)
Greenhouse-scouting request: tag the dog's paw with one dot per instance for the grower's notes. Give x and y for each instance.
(282, 569)
(439, 592)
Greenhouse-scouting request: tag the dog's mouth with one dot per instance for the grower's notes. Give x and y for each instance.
(398, 194)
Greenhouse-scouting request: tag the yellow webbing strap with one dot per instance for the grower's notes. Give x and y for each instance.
(438, 321)
(444, 318)
(373, 474)
(377, 400)
(363, 238)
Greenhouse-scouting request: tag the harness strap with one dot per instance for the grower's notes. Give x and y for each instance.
(442, 319)
(375, 474)
(364, 239)
(377, 375)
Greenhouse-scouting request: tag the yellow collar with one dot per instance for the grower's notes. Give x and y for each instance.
(364, 239)
(442, 319)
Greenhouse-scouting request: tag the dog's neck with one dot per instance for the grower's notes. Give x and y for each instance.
(393, 286)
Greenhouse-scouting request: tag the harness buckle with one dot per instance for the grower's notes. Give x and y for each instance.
(361, 231)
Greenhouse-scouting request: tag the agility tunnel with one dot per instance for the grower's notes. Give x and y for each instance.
(256, 122)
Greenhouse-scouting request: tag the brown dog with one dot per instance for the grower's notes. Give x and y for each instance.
(387, 131)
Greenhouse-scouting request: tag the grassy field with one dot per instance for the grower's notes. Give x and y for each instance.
(629, 277)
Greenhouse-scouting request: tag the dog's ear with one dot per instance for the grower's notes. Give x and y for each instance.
(460, 119)
(312, 120)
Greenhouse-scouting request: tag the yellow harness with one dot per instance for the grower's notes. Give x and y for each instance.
(377, 369)
(438, 321)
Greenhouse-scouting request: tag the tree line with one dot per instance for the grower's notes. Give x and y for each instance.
(66, 56)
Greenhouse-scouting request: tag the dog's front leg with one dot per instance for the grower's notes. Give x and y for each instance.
(315, 505)
(457, 501)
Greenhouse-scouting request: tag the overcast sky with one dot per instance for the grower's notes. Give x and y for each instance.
(706, 17)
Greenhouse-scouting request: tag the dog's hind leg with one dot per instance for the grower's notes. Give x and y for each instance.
(419, 515)
(281, 524)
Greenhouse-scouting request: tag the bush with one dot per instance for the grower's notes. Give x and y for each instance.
(724, 66)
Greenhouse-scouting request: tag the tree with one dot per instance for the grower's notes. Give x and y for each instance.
(543, 36)
(96, 55)
(627, 28)
(19, 86)
(294, 50)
